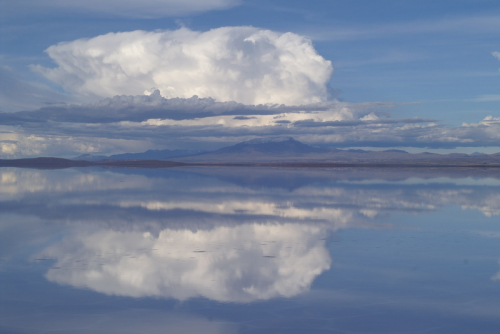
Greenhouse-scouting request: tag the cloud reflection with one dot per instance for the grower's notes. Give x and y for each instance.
(329, 196)
(177, 234)
(250, 207)
(228, 264)
(19, 183)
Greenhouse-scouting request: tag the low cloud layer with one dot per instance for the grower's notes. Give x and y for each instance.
(242, 64)
(137, 123)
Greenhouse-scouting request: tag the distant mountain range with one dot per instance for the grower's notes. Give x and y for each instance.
(148, 155)
(282, 146)
(288, 150)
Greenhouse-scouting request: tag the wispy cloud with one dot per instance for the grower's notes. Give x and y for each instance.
(486, 98)
(147, 9)
(471, 24)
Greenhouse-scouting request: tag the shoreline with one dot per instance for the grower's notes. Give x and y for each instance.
(59, 163)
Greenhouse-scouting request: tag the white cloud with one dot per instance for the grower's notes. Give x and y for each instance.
(497, 276)
(18, 143)
(242, 64)
(229, 264)
(121, 8)
(496, 55)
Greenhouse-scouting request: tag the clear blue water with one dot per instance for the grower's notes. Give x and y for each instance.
(220, 250)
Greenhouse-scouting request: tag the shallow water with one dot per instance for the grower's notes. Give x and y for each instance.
(220, 250)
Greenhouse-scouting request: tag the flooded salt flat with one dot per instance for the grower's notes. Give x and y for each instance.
(266, 250)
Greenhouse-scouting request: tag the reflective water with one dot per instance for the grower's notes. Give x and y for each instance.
(219, 250)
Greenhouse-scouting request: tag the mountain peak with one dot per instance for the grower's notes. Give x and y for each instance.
(265, 140)
(271, 146)
(89, 157)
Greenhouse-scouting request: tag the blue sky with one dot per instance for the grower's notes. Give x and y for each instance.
(431, 60)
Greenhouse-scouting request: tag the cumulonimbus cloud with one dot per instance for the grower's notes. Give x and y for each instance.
(242, 64)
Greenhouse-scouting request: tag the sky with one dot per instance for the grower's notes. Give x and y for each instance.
(109, 76)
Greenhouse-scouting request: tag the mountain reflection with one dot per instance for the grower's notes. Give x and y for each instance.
(229, 236)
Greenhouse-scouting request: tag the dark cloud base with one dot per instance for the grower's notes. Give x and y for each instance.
(199, 123)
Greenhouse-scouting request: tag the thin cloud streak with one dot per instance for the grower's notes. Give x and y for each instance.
(146, 9)
(469, 25)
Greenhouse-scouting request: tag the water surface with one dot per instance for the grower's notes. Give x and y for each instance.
(263, 250)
